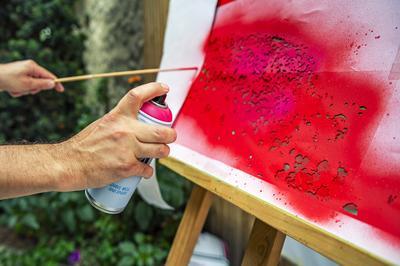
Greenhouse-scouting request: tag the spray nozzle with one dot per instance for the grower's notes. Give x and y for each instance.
(160, 100)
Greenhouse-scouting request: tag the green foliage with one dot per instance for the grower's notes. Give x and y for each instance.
(47, 32)
(63, 224)
(43, 254)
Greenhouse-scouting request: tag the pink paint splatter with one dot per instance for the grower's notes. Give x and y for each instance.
(269, 95)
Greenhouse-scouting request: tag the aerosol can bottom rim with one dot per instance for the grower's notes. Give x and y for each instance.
(100, 206)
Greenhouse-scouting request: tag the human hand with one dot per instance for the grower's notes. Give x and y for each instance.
(26, 77)
(110, 148)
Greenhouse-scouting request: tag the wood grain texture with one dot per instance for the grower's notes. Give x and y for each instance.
(155, 19)
(190, 227)
(264, 246)
(314, 237)
(233, 225)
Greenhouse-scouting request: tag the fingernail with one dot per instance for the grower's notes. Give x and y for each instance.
(50, 84)
(165, 86)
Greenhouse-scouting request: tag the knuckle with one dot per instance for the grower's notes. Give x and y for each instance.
(139, 150)
(117, 135)
(154, 84)
(163, 151)
(109, 117)
(30, 63)
(167, 150)
(147, 171)
(173, 135)
(159, 134)
(27, 83)
(134, 95)
(126, 165)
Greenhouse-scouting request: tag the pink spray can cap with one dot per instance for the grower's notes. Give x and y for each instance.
(158, 109)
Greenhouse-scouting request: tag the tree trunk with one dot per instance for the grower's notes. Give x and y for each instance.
(114, 43)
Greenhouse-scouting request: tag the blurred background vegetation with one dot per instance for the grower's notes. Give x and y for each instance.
(62, 228)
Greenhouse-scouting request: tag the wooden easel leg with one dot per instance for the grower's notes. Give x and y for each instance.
(190, 227)
(264, 246)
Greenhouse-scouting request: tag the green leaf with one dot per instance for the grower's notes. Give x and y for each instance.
(177, 197)
(126, 261)
(143, 215)
(149, 261)
(12, 221)
(30, 220)
(139, 238)
(160, 254)
(127, 247)
(86, 213)
(69, 219)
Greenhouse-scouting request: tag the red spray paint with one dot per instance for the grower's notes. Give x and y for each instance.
(270, 95)
(223, 2)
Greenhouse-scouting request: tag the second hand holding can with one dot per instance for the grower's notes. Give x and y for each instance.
(113, 198)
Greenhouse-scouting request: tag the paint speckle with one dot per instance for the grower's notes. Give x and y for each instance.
(341, 173)
(286, 167)
(305, 125)
(323, 166)
(341, 116)
(391, 199)
(351, 208)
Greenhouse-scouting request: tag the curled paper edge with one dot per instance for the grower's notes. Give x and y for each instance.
(149, 190)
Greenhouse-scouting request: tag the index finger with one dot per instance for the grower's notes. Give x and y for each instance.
(133, 100)
(41, 72)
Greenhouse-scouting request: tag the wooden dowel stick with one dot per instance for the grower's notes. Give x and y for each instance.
(121, 73)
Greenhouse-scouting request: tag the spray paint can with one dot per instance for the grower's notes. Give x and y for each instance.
(113, 198)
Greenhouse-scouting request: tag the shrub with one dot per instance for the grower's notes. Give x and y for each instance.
(63, 227)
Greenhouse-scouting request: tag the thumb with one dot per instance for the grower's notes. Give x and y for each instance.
(41, 84)
(132, 101)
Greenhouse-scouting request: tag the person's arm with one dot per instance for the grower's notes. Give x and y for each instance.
(26, 77)
(106, 151)
(29, 169)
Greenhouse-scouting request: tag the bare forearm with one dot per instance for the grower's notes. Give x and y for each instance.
(106, 151)
(30, 169)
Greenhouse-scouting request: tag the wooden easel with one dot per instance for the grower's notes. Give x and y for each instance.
(264, 246)
(271, 225)
(269, 230)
